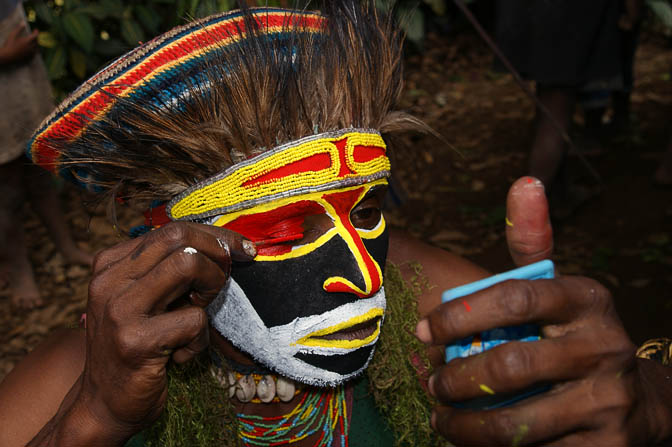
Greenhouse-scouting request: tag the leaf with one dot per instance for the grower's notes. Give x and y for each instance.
(97, 11)
(46, 39)
(132, 32)
(438, 6)
(79, 27)
(55, 62)
(662, 10)
(78, 63)
(149, 19)
(413, 23)
(112, 8)
(44, 12)
(111, 47)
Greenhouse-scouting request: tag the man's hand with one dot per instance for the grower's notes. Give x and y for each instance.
(18, 47)
(597, 397)
(136, 323)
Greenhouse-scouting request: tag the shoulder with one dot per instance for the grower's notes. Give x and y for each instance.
(32, 392)
(443, 270)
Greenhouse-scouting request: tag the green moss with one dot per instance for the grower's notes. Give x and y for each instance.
(400, 362)
(198, 412)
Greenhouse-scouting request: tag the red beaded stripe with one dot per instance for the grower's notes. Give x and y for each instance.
(72, 123)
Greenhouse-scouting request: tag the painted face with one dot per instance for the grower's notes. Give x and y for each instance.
(311, 305)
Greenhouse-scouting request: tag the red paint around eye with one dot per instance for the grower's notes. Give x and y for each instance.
(285, 222)
(343, 202)
(362, 154)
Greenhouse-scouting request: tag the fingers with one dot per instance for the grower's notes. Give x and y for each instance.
(181, 331)
(512, 367)
(528, 227)
(144, 252)
(570, 408)
(512, 303)
(184, 332)
(175, 275)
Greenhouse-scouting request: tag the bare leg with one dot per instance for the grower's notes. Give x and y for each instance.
(663, 175)
(47, 205)
(14, 263)
(548, 147)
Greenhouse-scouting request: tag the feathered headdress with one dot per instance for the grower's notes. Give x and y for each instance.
(205, 96)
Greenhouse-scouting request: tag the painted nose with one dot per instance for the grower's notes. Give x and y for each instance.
(366, 277)
(366, 270)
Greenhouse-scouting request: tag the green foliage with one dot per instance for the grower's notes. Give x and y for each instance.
(662, 10)
(79, 37)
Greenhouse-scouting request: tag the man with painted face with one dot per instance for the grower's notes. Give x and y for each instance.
(256, 140)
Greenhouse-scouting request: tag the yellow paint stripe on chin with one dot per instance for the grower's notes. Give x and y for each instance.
(311, 340)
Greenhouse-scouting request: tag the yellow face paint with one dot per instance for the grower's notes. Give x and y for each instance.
(314, 339)
(316, 163)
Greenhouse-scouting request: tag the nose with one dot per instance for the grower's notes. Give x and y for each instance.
(366, 270)
(365, 276)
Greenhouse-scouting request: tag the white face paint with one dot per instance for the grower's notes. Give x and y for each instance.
(232, 314)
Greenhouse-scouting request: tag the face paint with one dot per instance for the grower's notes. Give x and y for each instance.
(310, 309)
(311, 305)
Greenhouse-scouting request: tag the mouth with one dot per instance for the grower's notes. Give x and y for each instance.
(354, 333)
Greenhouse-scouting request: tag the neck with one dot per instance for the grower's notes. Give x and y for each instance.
(298, 414)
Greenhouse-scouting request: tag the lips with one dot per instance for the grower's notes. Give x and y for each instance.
(354, 333)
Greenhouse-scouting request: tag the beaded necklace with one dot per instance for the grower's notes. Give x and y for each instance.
(317, 411)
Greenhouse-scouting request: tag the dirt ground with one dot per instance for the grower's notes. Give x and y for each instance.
(454, 193)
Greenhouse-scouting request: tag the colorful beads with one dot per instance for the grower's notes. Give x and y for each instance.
(321, 162)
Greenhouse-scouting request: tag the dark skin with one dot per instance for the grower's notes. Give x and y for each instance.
(19, 46)
(100, 388)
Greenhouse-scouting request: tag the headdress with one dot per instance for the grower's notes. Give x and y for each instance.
(203, 97)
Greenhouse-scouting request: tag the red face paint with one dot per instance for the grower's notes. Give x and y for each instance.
(343, 203)
(281, 224)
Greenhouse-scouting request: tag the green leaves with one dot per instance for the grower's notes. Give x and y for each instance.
(55, 62)
(79, 27)
(662, 10)
(132, 32)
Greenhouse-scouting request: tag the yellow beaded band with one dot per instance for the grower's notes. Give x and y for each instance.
(316, 163)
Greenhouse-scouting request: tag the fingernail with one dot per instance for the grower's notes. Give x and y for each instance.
(430, 385)
(249, 248)
(423, 332)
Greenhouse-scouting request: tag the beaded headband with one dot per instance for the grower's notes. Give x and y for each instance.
(155, 72)
(316, 163)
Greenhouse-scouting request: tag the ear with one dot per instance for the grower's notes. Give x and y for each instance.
(529, 234)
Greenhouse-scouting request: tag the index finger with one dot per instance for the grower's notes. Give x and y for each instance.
(240, 248)
(512, 303)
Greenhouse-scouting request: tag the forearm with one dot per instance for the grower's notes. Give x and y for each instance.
(655, 381)
(76, 425)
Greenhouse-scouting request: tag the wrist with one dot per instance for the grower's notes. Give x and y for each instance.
(78, 424)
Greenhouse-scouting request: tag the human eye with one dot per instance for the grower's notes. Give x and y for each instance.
(368, 211)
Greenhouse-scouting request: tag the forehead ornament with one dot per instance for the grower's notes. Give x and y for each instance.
(338, 159)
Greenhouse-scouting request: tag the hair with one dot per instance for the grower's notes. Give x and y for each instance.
(249, 98)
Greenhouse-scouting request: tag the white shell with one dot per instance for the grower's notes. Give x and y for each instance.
(266, 389)
(232, 391)
(285, 389)
(232, 378)
(245, 389)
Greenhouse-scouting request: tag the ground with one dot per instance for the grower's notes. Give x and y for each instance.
(453, 193)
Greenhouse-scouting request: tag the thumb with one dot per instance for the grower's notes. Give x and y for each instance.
(528, 226)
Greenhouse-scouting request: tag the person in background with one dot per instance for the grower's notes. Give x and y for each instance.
(25, 99)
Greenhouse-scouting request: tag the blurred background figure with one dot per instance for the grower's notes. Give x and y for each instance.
(25, 99)
(562, 46)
